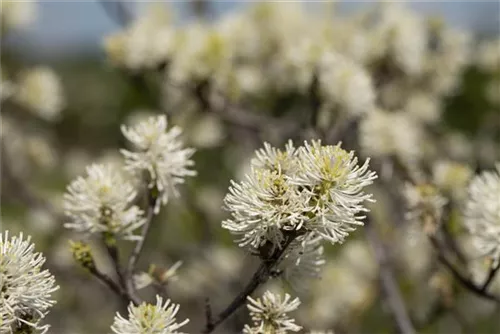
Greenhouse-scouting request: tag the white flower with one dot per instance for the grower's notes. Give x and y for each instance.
(40, 90)
(160, 153)
(201, 52)
(423, 107)
(425, 204)
(404, 35)
(451, 176)
(269, 314)
(334, 182)
(482, 213)
(384, 134)
(294, 68)
(149, 319)
(274, 159)
(311, 189)
(263, 206)
(345, 85)
(101, 203)
(146, 44)
(25, 289)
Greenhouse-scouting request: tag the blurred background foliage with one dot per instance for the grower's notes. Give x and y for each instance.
(99, 98)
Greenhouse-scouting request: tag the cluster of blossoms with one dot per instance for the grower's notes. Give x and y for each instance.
(269, 314)
(231, 56)
(25, 288)
(149, 319)
(159, 153)
(102, 202)
(38, 90)
(310, 193)
(386, 57)
(425, 204)
(482, 213)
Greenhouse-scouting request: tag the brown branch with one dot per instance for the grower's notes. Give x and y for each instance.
(491, 276)
(137, 251)
(106, 280)
(115, 259)
(462, 279)
(261, 275)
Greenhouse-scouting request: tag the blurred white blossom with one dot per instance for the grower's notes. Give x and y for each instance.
(40, 90)
(269, 314)
(17, 14)
(345, 85)
(423, 107)
(425, 205)
(149, 319)
(146, 43)
(160, 153)
(451, 177)
(384, 134)
(404, 36)
(482, 213)
(101, 203)
(25, 288)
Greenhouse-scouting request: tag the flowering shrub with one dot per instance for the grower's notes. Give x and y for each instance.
(321, 144)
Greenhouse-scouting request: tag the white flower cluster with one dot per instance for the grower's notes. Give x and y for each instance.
(149, 319)
(160, 153)
(101, 203)
(310, 191)
(269, 314)
(234, 58)
(345, 85)
(25, 288)
(40, 90)
(425, 205)
(451, 177)
(482, 213)
(145, 44)
(386, 134)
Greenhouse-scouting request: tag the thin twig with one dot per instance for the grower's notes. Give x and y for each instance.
(261, 275)
(208, 313)
(115, 259)
(466, 282)
(106, 280)
(136, 253)
(491, 276)
(389, 284)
